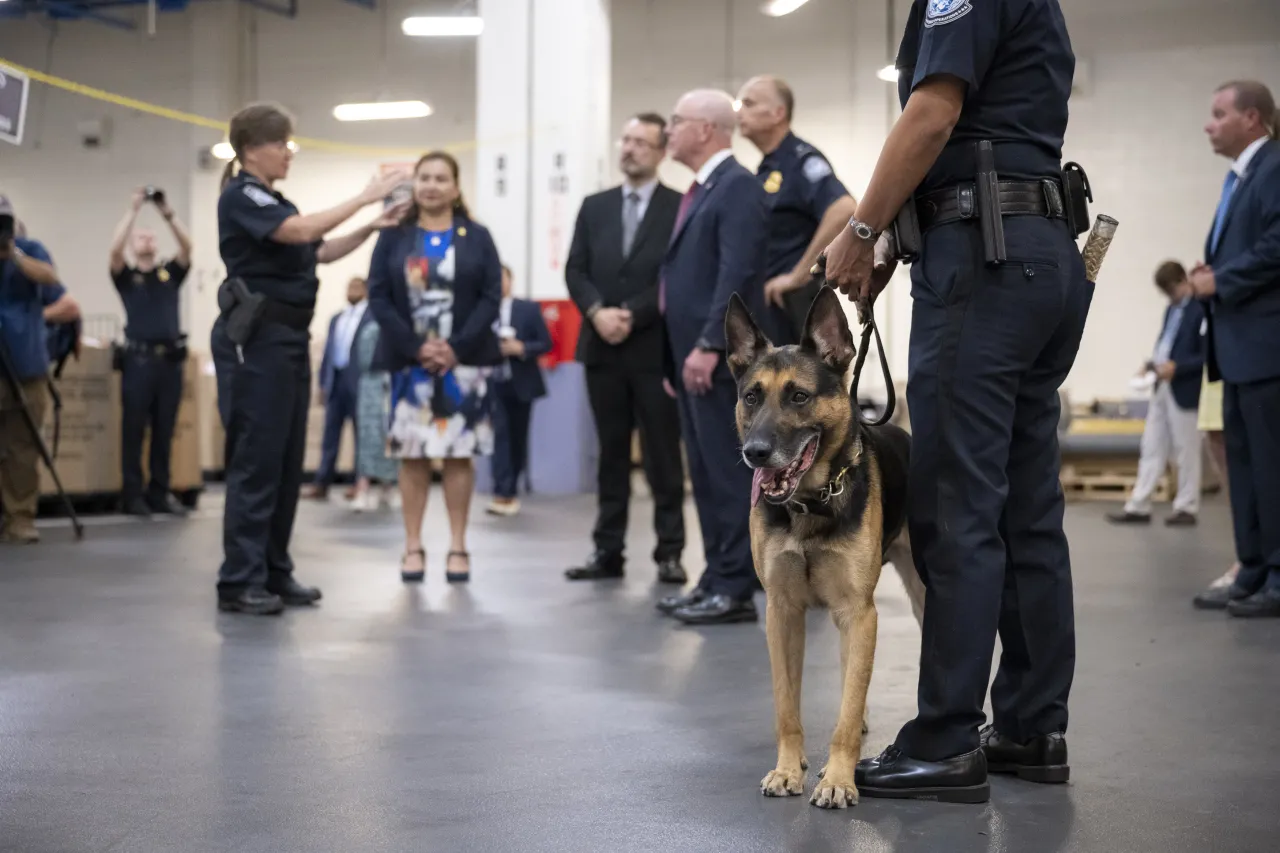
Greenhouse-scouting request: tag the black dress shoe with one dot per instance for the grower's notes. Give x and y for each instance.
(1259, 605)
(1217, 598)
(718, 610)
(670, 571)
(895, 775)
(1181, 518)
(1128, 518)
(599, 566)
(293, 593)
(253, 600)
(671, 603)
(1041, 759)
(135, 506)
(167, 505)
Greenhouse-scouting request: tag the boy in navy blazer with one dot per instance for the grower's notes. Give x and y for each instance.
(1240, 279)
(523, 336)
(1172, 426)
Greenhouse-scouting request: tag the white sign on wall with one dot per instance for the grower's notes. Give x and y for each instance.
(13, 104)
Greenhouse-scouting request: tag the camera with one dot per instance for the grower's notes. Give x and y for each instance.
(154, 195)
(7, 228)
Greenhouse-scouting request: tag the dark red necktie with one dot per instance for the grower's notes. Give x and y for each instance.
(685, 204)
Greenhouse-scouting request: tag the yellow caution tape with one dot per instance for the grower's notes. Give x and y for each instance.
(212, 124)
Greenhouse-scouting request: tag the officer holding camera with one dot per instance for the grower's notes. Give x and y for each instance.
(25, 271)
(153, 354)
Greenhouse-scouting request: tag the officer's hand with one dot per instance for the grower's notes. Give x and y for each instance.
(391, 217)
(380, 188)
(849, 264)
(139, 198)
(776, 287)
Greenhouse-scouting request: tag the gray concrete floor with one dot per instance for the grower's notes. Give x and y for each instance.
(524, 713)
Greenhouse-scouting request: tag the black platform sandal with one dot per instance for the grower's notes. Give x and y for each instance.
(414, 577)
(458, 577)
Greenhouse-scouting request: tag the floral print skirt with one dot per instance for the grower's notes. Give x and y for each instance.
(440, 417)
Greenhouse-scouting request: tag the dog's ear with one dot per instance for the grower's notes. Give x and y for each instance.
(743, 338)
(826, 331)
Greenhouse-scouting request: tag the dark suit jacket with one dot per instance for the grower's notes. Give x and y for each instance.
(531, 330)
(1187, 353)
(477, 293)
(327, 370)
(719, 249)
(1244, 316)
(597, 273)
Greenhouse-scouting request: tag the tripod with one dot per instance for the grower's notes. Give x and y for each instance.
(10, 377)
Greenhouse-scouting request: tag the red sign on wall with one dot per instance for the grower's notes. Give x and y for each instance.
(564, 322)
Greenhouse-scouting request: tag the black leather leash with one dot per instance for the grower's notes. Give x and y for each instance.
(867, 317)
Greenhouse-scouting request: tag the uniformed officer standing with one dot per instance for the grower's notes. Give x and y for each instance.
(154, 353)
(990, 345)
(808, 203)
(264, 373)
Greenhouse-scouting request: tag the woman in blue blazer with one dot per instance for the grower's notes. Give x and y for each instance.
(435, 285)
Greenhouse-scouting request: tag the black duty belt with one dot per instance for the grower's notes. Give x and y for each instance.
(285, 314)
(161, 348)
(959, 202)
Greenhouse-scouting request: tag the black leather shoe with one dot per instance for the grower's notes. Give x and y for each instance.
(293, 593)
(1182, 518)
(670, 571)
(894, 775)
(1128, 518)
(717, 610)
(135, 506)
(253, 600)
(1040, 759)
(1217, 598)
(599, 566)
(671, 603)
(167, 505)
(1259, 605)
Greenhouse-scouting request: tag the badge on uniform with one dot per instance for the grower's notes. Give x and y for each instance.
(816, 168)
(773, 183)
(945, 11)
(162, 274)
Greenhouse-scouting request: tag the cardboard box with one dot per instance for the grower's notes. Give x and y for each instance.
(88, 459)
(213, 438)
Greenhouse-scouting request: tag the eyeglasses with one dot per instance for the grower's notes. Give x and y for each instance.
(638, 143)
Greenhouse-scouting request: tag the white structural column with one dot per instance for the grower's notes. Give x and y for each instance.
(542, 114)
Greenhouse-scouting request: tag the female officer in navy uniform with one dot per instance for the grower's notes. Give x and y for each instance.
(264, 387)
(990, 345)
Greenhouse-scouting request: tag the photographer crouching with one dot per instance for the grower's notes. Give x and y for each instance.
(153, 354)
(25, 271)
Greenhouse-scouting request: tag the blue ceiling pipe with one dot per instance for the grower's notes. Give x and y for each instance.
(90, 10)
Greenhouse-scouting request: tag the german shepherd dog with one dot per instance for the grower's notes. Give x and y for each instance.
(828, 511)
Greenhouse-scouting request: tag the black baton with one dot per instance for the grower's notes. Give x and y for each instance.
(987, 189)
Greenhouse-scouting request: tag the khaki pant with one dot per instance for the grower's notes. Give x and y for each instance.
(19, 453)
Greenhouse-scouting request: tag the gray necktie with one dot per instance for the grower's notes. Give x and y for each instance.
(630, 221)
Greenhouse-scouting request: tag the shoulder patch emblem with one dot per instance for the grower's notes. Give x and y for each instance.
(773, 183)
(816, 168)
(945, 11)
(259, 196)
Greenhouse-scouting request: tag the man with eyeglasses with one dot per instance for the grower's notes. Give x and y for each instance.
(612, 273)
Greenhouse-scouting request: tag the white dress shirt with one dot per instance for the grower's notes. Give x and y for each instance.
(344, 333)
(1241, 164)
(710, 166)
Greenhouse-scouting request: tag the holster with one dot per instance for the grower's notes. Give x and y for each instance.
(905, 231)
(1077, 195)
(241, 309)
(990, 217)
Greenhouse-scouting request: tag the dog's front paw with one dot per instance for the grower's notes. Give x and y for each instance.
(834, 793)
(782, 783)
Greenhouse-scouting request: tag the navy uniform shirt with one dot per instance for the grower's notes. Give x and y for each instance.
(801, 186)
(1015, 57)
(151, 301)
(248, 213)
(22, 314)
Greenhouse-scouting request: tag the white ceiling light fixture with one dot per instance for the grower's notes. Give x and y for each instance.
(381, 110)
(778, 8)
(888, 74)
(442, 27)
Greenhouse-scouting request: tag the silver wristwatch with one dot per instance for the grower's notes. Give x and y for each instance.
(863, 230)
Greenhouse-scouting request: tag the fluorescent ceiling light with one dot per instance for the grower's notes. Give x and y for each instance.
(450, 26)
(224, 151)
(888, 74)
(381, 110)
(778, 8)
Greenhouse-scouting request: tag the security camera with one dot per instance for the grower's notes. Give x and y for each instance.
(94, 133)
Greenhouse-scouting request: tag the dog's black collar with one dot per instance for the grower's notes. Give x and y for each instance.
(821, 504)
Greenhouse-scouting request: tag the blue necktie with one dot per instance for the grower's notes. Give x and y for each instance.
(1228, 187)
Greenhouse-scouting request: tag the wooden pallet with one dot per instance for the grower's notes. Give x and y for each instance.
(1108, 481)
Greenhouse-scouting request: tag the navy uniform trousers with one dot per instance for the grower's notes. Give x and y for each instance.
(721, 484)
(263, 405)
(990, 347)
(150, 392)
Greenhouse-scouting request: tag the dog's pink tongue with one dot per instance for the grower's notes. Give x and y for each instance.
(757, 483)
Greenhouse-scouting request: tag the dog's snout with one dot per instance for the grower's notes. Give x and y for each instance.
(757, 452)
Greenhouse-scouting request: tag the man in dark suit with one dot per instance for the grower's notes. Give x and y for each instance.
(523, 337)
(612, 273)
(1172, 426)
(339, 383)
(1241, 280)
(718, 249)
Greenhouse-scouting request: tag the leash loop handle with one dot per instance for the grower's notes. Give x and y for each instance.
(867, 317)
